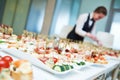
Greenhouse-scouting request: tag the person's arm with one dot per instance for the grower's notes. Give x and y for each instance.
(93, 37)
(94, 33)
(79, 25)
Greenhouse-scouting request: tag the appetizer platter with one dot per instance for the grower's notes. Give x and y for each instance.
(12, 68)
(56, 55)
(56, 69)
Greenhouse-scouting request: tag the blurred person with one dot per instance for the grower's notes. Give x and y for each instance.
(85, 27)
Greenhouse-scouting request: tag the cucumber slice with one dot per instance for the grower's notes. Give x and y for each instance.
(82, 63)
(78, 64)
(2, 41)
(66, 66)
(59, 68)
(71, 66)
(63, 67)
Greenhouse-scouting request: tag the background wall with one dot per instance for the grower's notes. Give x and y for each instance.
(15, 14)
(9, 12)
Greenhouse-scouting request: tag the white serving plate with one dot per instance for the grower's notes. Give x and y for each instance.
(112, 57)
(87, 64)
(39, 64)
(36, 62)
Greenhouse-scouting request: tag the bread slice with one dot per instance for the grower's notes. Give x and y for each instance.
(21, 76)
(21, 70)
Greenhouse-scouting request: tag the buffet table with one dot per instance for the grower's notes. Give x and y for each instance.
(54, 58)
(86, 73)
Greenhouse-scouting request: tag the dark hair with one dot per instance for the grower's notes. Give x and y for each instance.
(101, 9)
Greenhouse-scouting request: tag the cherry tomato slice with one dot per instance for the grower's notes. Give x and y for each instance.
(0, 69)
(55, 59)
(4, 64)
(7, 58)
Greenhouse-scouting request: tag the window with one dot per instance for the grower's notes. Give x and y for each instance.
(36, 15)
(115, 30)
(117, 4)
(115, 23)
(65, 13)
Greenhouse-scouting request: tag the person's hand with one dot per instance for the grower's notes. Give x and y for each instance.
(92, 36)
(99, 43)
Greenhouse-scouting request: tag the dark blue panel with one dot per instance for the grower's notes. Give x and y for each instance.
(2, 5)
